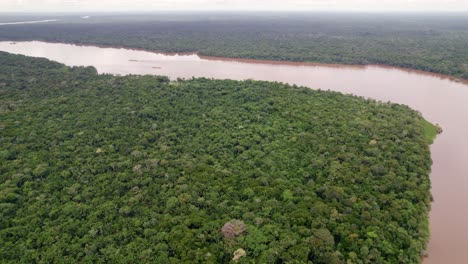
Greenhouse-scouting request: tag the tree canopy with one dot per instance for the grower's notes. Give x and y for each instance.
(429, 42)
(141, 169)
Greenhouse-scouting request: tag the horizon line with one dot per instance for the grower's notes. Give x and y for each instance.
(244, 10)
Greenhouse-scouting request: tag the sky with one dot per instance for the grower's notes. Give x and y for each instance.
(234, 5)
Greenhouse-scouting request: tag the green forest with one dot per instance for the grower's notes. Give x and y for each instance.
(140, 169)
(431, 42)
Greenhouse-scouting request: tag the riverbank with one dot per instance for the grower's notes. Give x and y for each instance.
(439, 99)
(434, 43)
(284, 163)
(263, 61)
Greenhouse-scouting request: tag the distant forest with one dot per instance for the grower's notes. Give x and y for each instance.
(430, 42)
(139, 169)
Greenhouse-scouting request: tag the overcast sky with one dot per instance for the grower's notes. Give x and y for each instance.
(297, 5)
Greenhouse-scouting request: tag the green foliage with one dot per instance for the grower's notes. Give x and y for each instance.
(430, 131)
(429, 42)
(137, 169)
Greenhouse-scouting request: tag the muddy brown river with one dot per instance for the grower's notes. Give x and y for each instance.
(440, 99)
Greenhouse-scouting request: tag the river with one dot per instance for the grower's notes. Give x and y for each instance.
(440, 99)
(28, 22)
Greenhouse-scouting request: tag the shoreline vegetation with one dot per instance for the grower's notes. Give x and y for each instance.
(456, 78)
(432, 43)
(116, 168)
(256, 61)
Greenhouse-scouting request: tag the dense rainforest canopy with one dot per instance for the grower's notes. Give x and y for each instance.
(137, 169)
(431, 42)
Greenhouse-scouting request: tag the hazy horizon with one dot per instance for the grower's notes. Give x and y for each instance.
(76, 6)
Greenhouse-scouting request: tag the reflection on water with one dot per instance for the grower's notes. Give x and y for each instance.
(440, 99)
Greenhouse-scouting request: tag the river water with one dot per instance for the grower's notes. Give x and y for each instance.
(28, 22)
(440, 99)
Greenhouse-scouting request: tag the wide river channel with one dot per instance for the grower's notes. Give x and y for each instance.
(440, 99)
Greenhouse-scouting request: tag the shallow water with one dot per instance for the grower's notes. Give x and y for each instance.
(440, 99)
